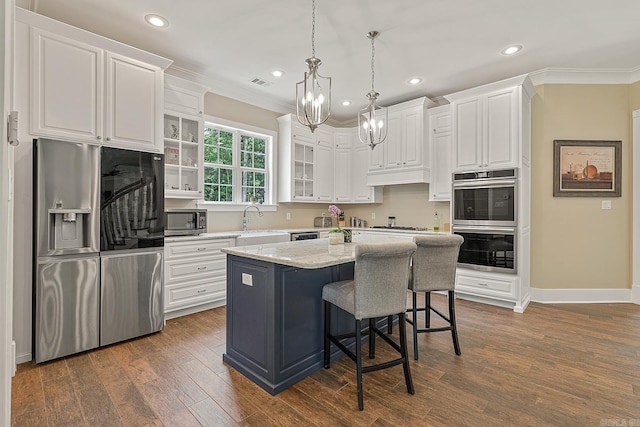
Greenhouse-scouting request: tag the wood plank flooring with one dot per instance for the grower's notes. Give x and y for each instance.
(555, 365)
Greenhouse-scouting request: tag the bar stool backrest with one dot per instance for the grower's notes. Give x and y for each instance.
(434, 264)
(381, 277)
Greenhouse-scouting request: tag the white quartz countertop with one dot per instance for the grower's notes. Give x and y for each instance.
(315, 253)
(234, 234)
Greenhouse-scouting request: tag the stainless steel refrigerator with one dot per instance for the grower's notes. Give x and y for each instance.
(97, 246)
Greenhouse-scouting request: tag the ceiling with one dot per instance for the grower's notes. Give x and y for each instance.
(451, 44)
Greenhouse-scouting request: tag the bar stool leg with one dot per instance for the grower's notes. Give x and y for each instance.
(372, 339)
(359, 364)
(427, 309)
(452, 319)
(414, 314)
(327, 331)
(389, 325)
(403, 350)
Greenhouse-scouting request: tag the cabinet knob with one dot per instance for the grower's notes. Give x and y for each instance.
(98, 137)
(398, 164)
(108, 138)
(404, 163)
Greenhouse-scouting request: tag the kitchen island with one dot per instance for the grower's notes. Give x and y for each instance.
(275, 310)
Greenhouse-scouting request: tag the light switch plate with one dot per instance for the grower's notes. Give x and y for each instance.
(606, 204)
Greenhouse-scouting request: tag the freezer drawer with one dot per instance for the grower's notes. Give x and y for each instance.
(132, 302)
(66, 312)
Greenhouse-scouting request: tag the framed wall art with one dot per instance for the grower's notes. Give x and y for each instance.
(587, 168)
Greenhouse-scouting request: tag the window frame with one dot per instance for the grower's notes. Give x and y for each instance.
(239, 129)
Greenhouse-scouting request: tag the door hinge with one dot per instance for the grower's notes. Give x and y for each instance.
(12, 128)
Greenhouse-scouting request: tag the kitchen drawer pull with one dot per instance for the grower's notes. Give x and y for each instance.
(201, 291)
(202, 268)
(483, 285)
(202, 249)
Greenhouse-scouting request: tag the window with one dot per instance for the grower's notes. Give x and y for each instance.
(236, 165)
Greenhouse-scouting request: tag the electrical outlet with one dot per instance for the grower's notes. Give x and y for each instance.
(373, 215)
(606, 204)
(288, 216)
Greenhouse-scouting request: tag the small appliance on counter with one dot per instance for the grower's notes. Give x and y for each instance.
(323, 221)
(185, 222)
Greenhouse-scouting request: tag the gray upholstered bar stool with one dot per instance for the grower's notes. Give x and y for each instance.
(434, 269)
(378, 289)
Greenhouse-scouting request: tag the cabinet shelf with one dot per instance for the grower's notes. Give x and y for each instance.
(183, 165)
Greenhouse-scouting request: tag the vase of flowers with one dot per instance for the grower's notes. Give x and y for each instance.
(338, 235)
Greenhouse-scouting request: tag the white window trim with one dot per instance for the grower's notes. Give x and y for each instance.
(271, 162)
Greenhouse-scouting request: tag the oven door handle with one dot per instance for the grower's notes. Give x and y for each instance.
(484, 184)
(500, 230)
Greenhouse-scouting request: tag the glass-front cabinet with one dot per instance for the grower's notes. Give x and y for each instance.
(183, 154)
(303, 174)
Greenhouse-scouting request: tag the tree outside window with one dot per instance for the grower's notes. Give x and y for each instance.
(235, 166)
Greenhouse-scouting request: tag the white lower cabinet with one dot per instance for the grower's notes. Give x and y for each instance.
(488, 285)
(195, 275)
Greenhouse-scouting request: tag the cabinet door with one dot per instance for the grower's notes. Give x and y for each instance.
(501, 135)
(360, 192)
(468, 134)
(440, 185)
(66, 88)
(323, 178)
(342, 174)
(392, 147)
(412, 140)
(133, 104)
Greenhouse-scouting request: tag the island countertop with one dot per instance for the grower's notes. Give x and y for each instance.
(309, 254)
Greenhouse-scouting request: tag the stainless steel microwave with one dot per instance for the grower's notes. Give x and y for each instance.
(185, 222)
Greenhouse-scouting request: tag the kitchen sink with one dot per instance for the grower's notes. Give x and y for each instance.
(261, 237)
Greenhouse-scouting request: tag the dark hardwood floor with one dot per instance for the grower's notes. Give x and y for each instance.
(556, 365)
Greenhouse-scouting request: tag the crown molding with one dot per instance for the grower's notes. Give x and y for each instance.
(227, 89)
(585, 76)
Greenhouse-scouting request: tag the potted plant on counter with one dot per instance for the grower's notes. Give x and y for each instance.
(338, 235)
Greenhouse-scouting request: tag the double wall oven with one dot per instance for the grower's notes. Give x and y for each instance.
(485, 213)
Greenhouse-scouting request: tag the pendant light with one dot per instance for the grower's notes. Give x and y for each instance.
(313, 94)
(372, 120)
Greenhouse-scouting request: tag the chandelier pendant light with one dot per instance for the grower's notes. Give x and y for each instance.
(372, 120)
(313, 94)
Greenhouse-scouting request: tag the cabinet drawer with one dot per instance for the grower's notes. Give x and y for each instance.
(194, 293)
(191, 269)
(490, 286)
(204, 247)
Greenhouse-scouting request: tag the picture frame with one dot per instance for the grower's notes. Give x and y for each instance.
(587, 168)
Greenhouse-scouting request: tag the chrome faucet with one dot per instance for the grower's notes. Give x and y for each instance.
(244, 216)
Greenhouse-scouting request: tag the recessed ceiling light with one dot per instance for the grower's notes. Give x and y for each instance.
(277, 73)
(414, 80)
(346, 103)
(510, 50)
(156, 21)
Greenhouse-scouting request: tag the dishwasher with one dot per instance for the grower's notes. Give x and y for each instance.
(306, 235)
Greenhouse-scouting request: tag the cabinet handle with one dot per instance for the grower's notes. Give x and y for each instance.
(202, 268)
(483, 285)
(404, 163)
(201, 291)
(202, 249)
(98, 137)
(108, 138)
(398, 164)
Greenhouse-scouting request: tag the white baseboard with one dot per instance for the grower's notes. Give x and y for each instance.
(23, 358)
(554, 296)
(14, 366)
(635, 294)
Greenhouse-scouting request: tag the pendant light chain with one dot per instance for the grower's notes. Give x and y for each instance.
(373, 53)
(313, 28)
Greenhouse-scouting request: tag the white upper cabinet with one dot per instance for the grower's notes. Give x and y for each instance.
(342, 165)
(66, 87)
(133, 104)
(487, 128)
(403, 157)
(183, 138)
(324, 166)
(88, 88)
(440, 146)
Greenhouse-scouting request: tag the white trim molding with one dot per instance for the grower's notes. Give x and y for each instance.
(635, 294)
(588, 296)
(584, 76)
